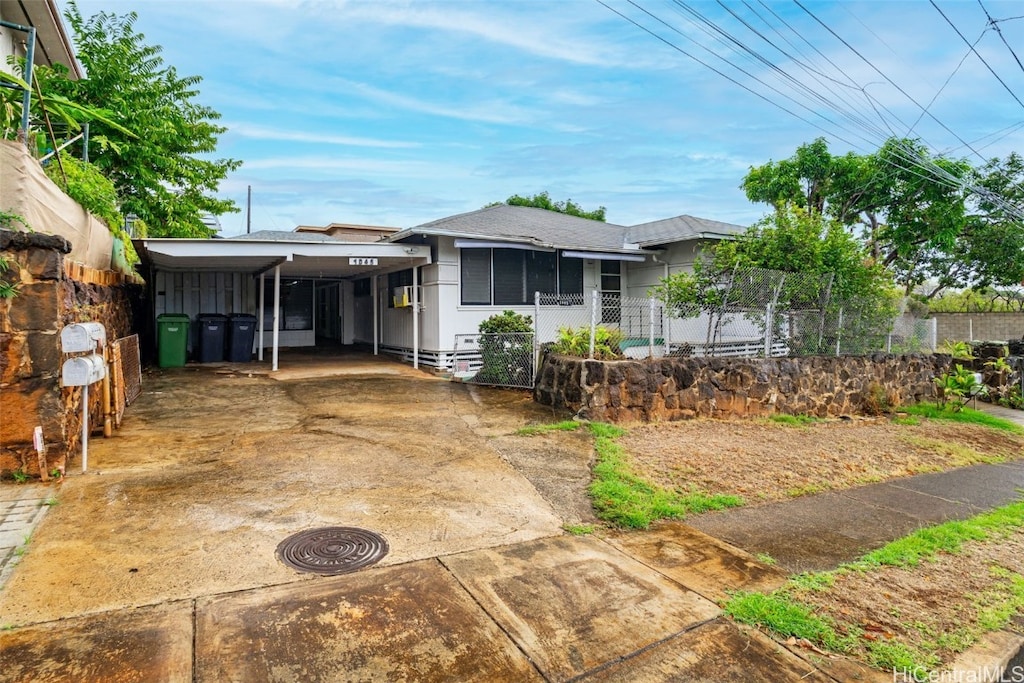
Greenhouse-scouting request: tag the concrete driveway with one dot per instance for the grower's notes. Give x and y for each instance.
(213, 468)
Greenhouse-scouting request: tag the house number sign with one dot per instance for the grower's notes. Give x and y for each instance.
(361, 261)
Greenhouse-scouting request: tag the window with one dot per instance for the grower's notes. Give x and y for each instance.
(509, 277)
(476, 276)
(296, 305)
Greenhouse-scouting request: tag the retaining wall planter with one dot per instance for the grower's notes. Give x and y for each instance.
(680, 388)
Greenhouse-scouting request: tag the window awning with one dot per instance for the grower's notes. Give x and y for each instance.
(605, 256)
(495, 244)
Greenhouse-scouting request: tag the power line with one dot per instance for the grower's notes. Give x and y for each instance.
(902, 155)
(880, 73)
(991, 70)
(995, 24)
(717, 71)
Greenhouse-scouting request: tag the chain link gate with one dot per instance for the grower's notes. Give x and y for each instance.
(501, 359)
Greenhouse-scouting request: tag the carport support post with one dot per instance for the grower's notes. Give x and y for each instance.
(276, 317)
(376, 314)
(263, 297)
(415, 318)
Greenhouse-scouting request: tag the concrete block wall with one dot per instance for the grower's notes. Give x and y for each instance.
(979, 326)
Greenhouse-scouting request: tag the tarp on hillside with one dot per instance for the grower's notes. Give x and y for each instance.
(25, 190)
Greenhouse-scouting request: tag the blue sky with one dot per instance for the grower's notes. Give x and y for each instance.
(398, 113)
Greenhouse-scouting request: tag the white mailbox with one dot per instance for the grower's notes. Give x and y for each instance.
(81, 371)
(79, 337)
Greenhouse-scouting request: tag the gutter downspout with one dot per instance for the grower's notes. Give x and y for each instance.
(30, 55)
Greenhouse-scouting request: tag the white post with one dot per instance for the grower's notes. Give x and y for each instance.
(593, 320)
(85, 428)
(839, 330)
(415, 318)
(262, 318)
(376, 315)
(970, 329)
(768, 324)
(276, 316)
(536, 333)
(650, 351)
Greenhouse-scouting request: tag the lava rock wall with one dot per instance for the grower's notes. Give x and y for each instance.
(680, 388)
(52, 292)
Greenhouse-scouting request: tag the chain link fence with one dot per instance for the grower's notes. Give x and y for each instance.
(745, 313)
(749, 313)
(503, 359)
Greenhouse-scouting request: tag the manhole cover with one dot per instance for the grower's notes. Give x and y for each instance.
(332, 550)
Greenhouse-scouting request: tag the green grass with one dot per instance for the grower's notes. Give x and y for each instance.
(579, 529)
(784, 614)
(908, 421)
(621, 497)
(925, 544)
(807, 490)
(785, 617)
(793, 420)
(964, 415)
(564, 426)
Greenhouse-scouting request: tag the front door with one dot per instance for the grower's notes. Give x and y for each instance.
(328, 312)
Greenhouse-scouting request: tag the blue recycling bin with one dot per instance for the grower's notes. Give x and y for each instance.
(241, 334)
(211, 335)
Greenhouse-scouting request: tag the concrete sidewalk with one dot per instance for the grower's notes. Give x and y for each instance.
(22, 508)
(631, 607)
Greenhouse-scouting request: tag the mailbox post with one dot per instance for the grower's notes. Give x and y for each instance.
(81, 371)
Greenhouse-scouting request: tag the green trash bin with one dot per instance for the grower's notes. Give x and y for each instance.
(172, 339)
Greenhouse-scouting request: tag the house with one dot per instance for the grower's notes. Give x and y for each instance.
(351, 232)
(52, 43)
(412, 293)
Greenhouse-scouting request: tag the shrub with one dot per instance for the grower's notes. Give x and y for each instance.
(506, 349)
(576, 342)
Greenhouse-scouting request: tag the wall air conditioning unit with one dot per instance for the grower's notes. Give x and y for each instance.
(402, 296)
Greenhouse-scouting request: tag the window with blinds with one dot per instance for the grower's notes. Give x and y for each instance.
(509, 277)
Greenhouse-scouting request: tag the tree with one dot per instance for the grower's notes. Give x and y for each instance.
(543, 200)
(909, 206)
(798, 241)
(161, 176)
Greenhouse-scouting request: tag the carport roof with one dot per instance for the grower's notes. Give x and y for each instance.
(298, 258)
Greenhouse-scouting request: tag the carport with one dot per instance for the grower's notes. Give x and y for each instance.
(280, 256)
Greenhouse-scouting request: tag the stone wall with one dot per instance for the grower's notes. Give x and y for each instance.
(52, 292)
(680, 388)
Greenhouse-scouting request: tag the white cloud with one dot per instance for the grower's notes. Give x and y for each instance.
(540, 32)
(258, 132)
(490, 111)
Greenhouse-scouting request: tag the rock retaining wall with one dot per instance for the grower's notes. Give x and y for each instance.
(680, 388)
(52, 292)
